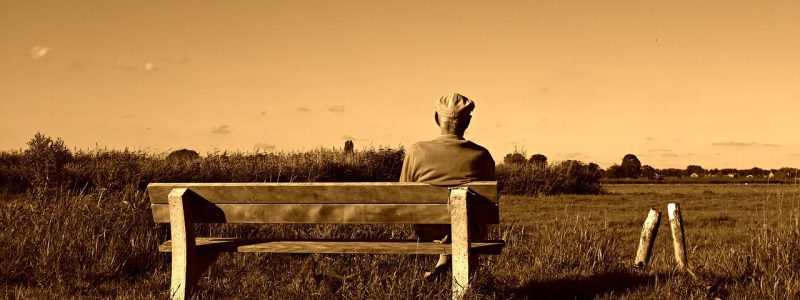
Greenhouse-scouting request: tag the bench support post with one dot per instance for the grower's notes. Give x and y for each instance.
(187, 265)
(460, 241)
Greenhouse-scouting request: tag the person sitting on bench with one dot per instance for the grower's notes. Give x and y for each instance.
(448, 160)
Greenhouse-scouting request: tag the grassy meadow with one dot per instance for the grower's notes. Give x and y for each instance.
(742, 242)
(83, 229)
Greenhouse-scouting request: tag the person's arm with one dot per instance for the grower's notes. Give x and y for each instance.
(489, 167)
(406, 173)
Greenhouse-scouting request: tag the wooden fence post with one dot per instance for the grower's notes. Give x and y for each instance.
(648, 238)
(678, 240)
(459, 212)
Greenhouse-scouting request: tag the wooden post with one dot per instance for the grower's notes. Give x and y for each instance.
(460, 241)
(184, 254)
(648, 238)
(678, 240)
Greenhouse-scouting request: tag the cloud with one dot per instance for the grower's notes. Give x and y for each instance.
(352, 138)
(336, 108)
(649, 139)
(176, 59)
(794, 155)
(571, 155)
(303, 109)
(544, 90)
(38, 52)
(223, 129)
(128, 116)
(743, 144)
(264, 147)
(263, 113)
(146, 67)
(659, 150)
(673, 155)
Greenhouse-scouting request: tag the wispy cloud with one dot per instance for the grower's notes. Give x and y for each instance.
(264, 147)
(149, 67)
(38, 52)
(336, 108)
(673, 155)
(303, 109)
(571, 155)
(794, 155)
(223, 129)
(660, 150)
(352, 138)
(743, 144)
(544, 90)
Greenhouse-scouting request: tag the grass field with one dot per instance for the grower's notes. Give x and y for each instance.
(742, 240)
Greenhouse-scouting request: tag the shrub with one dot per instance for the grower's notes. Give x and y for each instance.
(566, 177)
(44, 162)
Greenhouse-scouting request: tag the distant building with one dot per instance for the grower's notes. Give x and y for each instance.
(749, 176)
(731, 175)
(694, 175)
(771, 175)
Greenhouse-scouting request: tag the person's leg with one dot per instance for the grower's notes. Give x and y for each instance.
(438, 233)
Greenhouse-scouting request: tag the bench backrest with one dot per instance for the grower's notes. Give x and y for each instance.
(332, 203)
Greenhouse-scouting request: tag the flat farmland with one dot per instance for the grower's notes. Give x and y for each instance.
(742, 242)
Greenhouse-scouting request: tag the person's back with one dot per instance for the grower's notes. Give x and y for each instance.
(447, 161)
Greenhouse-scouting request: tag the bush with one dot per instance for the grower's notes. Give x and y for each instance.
(566, 177)
(44, 162)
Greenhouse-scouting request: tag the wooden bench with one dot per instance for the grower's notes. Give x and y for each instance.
(184, 204)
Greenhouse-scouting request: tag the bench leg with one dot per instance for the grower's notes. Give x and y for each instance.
(460, 233)
(187, 264)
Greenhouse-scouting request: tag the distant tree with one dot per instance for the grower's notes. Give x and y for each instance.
(649, 172)
(348, 146)
(44, 161)
(728, 171)
(538, 160)
(692, 169)
(514, 158)
(615, 171)
(757, 172)
(183, 154)
(631, 166)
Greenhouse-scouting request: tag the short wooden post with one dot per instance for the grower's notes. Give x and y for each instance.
(678, 240)
(648, 238)
(184, 254)
(460, 241)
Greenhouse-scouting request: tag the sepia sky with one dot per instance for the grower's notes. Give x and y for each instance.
(715, 83)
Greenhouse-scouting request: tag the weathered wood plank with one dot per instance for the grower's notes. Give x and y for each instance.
(460, 232)
(329, 213)
(320, 193)
(647, 238)
(184, 256)
(678, 240)
(333, 246)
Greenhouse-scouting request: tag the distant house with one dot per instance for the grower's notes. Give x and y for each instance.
(749, 176)
(731, 175)
(694, 175)
(771, 175)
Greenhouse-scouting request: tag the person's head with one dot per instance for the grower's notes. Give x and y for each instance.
(453, 114)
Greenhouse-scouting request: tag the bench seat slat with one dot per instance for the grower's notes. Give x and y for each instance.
(328, 213)
(331, 192)
(333, 246)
